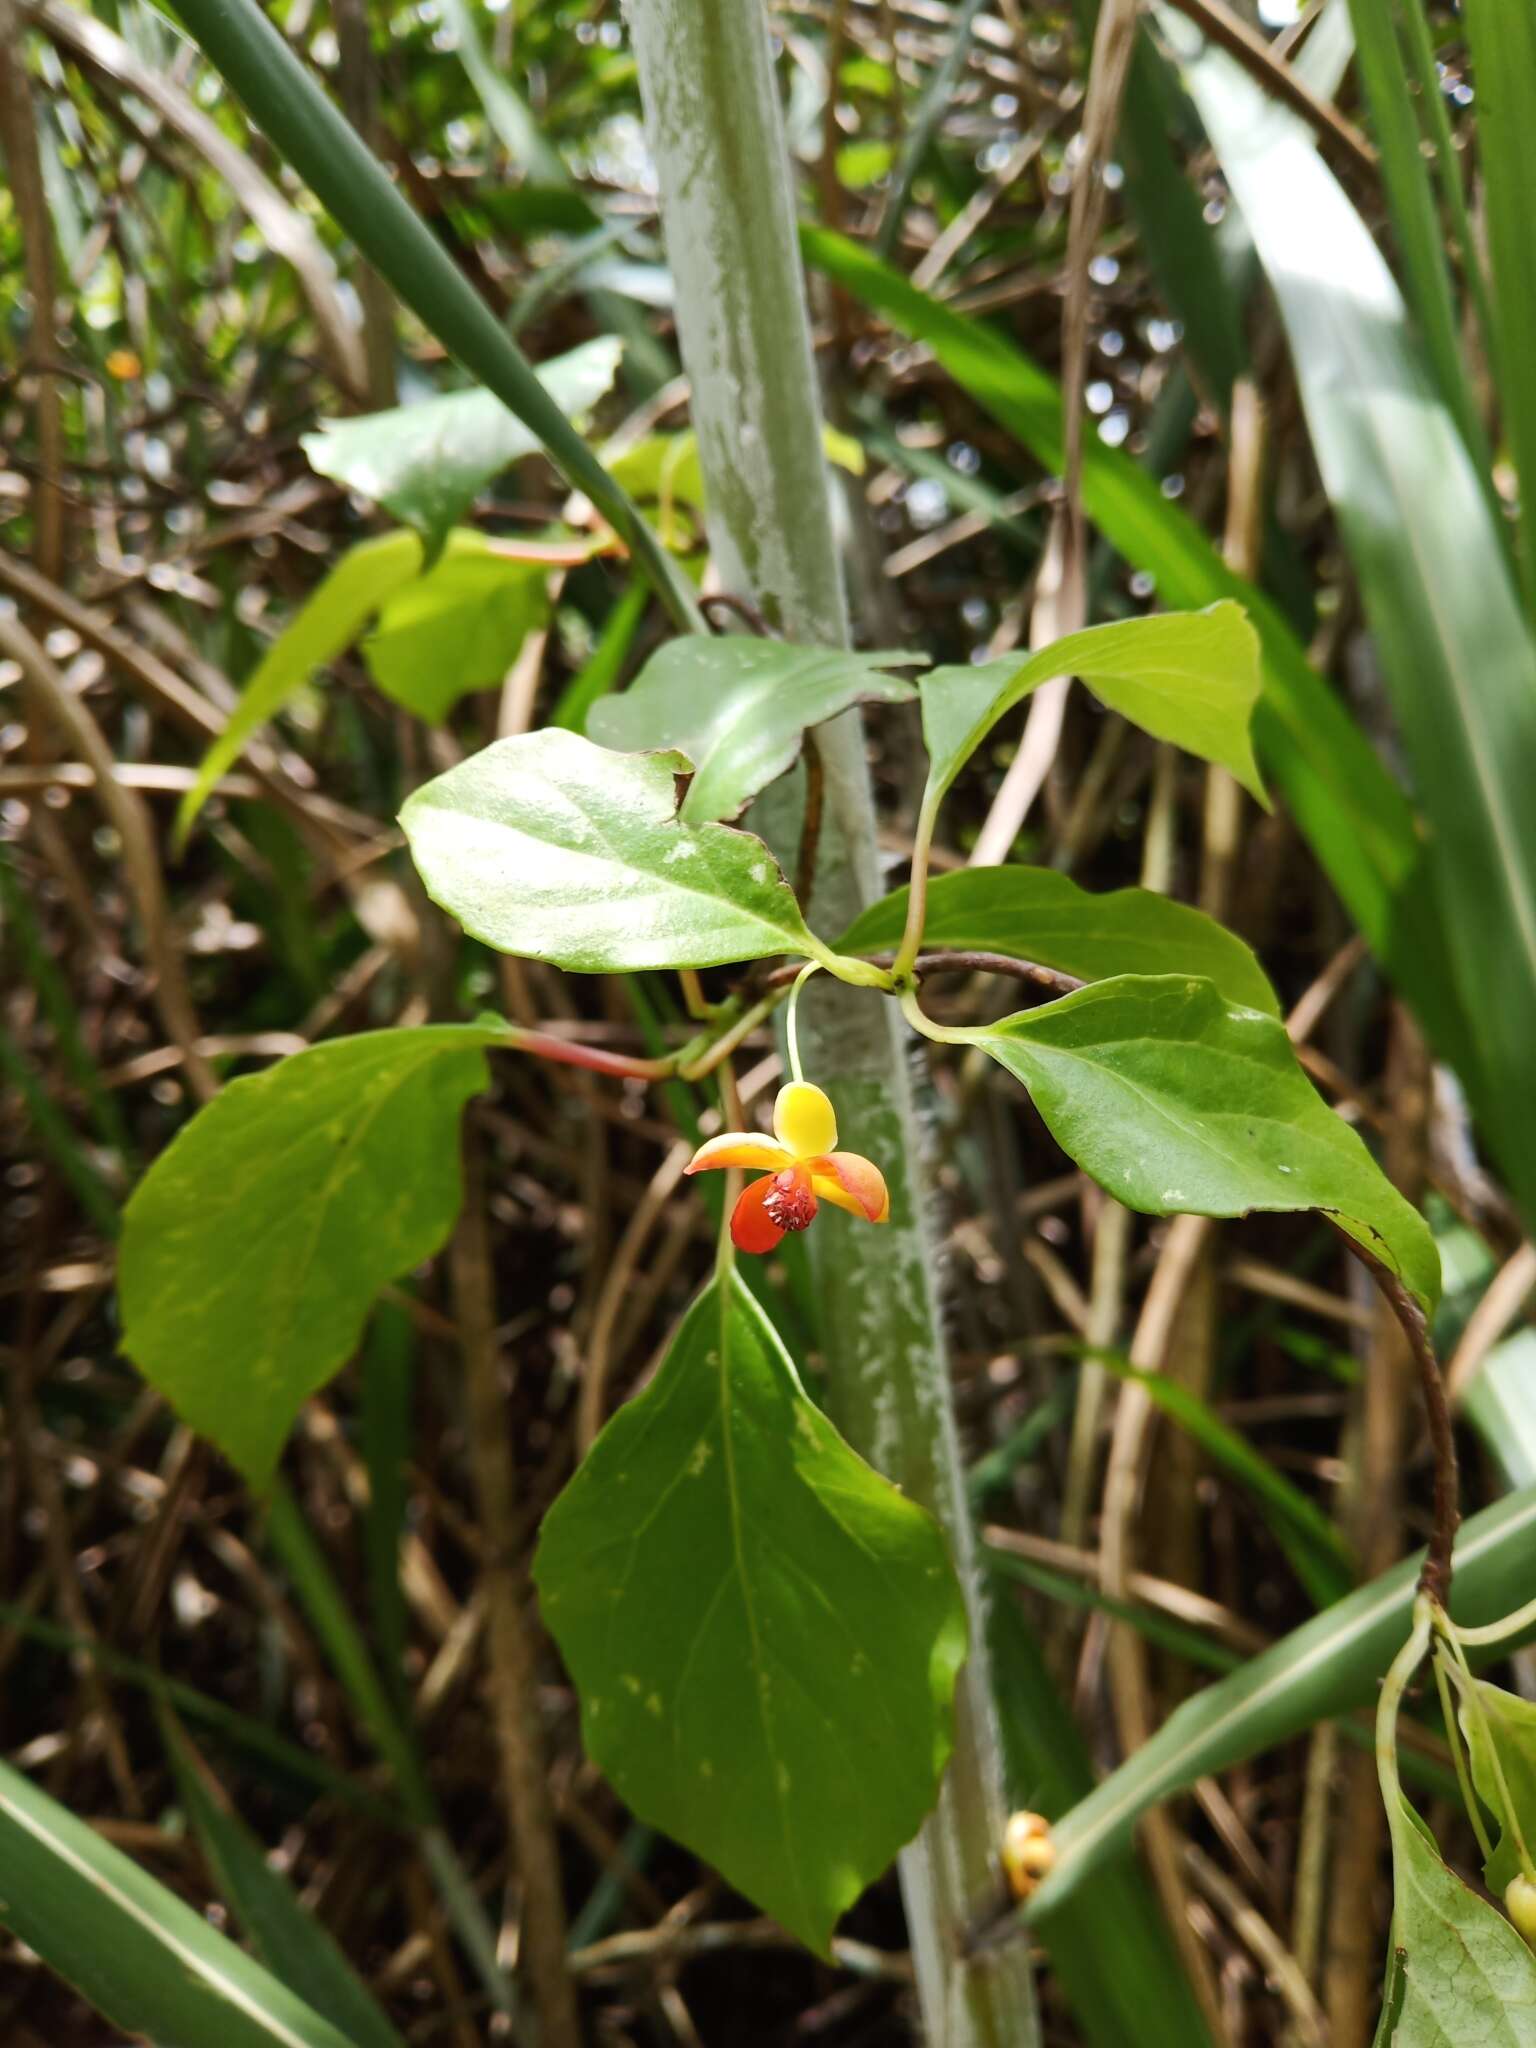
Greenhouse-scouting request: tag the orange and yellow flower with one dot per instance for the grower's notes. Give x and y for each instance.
(804, 1169)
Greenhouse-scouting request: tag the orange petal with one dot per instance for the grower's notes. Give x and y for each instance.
(752, 1228)
(739, 1148)
(851, 1182)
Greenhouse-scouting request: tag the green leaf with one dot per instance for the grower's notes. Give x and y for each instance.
(324, 627)
(1500, 1728)
(287, 1937)
(141, 1956)
(551, 847)
(1462, 1977)
(1041, 914)
(427, 462)
(1325, 1668)
(738, 708)
(456, 629)
(255, 1245)
(1457, 656)
(765, 1634)
(606, 662)
(1174, 1100)
(1189, 677)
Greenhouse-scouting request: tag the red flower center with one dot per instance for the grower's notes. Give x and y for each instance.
(789, 1202)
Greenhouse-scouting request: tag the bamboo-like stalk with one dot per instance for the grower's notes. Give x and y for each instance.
(706, 77)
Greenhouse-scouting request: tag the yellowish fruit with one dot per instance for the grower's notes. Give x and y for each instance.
(1029, 1854)
(1520, 1905)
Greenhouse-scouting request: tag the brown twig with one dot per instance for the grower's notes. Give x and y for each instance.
(1435, 1578)
(956, 962)
(810, 822)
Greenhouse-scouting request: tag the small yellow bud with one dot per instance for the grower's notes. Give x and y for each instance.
(1520, 1905)
(1029, 1854)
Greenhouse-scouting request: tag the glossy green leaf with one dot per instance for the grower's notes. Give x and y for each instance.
(1041, 914)
(1461, 1976)
(458, 628)
(738, 708)
(1457, 656)
(141, 1955)
(428, 462)
(765, 1634)
(1189, 677)
(1500, 1729)
(285, 1934)
(551, 847)
(1353, 815)
(1175, 1100)
(325, 626)
(1325, 1668)
(255, 1245)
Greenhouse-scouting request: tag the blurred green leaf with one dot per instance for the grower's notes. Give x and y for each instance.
(765, 1633)
(606, 662)
(428, 462)
(1461, 1977)
(285, 1934)
(457, 628)
(606, 876)
(325, 626)
(1174, 1100)
(738, 708)
(254, 1247)
(1041, 914)
(1189, 677)
(141, 1956)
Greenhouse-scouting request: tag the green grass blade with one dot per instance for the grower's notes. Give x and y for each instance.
(1503, 39)
(605, 664)
(1327, 1667)
(1356, 820)
(58, 1137)
(136, 1951)
(388, 1381)
(286, 1936)
(1457, 656)
(1415, 217)
(319, 143)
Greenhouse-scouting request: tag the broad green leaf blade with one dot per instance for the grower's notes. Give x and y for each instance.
(326, 625)
(1175, 1100)
(1189, 677)
(1500, 1728)
(255, 1245)
(1041, 914)
(1462, 1976)
(765, 1634)
(551, 847)
(140, 1955)
(457, 628)
(1503, 40)
(285, 1934)
(1352, 814)
(427, 462)
(1328, 1667)
(1457, 655)
(738, 708)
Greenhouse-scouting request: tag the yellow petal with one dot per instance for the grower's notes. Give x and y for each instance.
(740, 1148)
(803, 1120)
